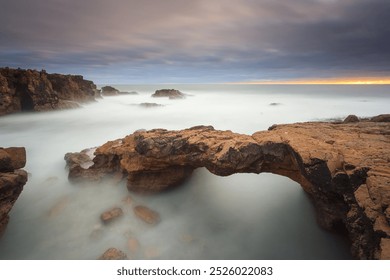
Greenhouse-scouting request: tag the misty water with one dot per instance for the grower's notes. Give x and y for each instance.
(243, 216)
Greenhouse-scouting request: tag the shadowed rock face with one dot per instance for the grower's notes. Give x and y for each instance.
(31, 90)
(343, 167)
(12, 180)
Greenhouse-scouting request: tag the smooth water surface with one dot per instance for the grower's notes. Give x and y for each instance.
(243, 216)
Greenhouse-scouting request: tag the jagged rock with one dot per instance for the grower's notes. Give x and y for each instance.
(12, 181)
(351, 119)
(111, 215)
(171, 93)
(31, 90)
(113, 254)
(147, 215)
(344, 168)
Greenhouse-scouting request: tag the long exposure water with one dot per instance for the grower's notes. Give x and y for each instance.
(243, 216)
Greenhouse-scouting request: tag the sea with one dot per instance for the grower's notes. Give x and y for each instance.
(242, 216)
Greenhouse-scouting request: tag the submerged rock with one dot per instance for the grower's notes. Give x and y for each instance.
(113, 254)
(171, 93)
(111, 215)
(344, 168)
(150, 105)
(147, 215)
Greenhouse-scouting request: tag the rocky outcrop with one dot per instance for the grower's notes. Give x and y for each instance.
(109, 90)
(344, 168)
(12, 180)
(31, 90)
(171, 93)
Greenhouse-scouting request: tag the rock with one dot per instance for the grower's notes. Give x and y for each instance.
(109, 91)
(275, 104)
(171, 93)
(12, 181)
(31, 90)
(150, 105)
(381, 118)
(344, 168)
(351, 119)
(113, 254)
(111, 215)
(152, 253)
(133, 245)
(147, 215)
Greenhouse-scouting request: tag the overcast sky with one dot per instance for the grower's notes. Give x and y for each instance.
(175, 41)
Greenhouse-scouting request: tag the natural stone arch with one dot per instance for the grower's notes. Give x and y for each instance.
(341, 166)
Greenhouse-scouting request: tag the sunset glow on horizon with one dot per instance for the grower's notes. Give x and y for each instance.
(332, 81)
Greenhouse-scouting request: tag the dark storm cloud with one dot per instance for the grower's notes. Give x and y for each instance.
(199, 40)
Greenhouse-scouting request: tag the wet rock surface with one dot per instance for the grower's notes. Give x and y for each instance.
(344, 168)
(147, 215)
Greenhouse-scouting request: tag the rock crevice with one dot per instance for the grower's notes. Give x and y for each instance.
(343, 167)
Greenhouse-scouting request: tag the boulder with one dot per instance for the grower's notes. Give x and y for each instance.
(12, 181)
(351, 119)
(109, 90)
(111, 215)
(113, 254)
(147, 215)
(171, 93)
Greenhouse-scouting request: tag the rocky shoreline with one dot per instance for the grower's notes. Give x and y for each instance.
(12, 180)
(32, 90)
(344, 168)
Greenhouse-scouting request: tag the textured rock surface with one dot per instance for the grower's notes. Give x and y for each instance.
(31, 90)
(171, 93)
(12, 180)
(113, 254)
(109, 90)
(111, 215)
(344, 167)
(147, 215)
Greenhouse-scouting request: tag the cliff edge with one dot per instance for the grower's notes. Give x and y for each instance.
(344, 168)
(32, 90)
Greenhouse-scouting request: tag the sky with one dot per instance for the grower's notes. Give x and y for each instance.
(199, 41)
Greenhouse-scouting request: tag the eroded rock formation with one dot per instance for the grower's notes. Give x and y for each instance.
(344, 167)
(31, 90)
(12, 180)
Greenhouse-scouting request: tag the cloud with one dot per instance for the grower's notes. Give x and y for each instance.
(210, 40)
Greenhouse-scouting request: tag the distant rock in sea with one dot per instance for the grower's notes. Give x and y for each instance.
(150, 105)
(32, 90)
(109, 91)
(171, 93)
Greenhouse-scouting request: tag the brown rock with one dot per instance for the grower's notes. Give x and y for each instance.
(381, 118)
(344, 168)
(351, 119)
(147, 215)
(109, 91)
(111, 215)
(31, 90)
(171, 93)
(12, 180)
(113, 254)
(133, 245)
